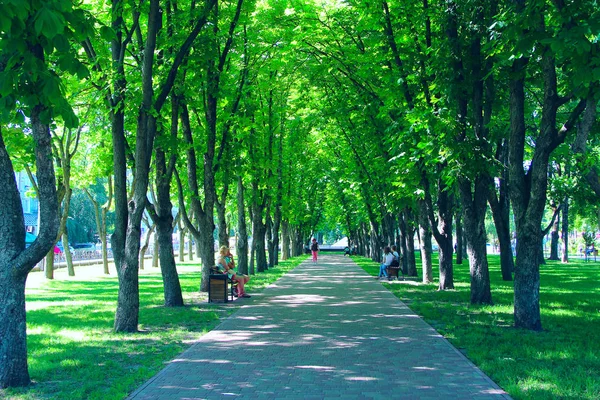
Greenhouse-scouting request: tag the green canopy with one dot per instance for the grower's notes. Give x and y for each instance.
(29, 238)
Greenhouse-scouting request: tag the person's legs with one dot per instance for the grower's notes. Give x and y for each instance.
(242, 280)
(314, 256)
(382, 270)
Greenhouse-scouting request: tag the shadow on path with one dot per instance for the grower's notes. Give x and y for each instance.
(325, 330)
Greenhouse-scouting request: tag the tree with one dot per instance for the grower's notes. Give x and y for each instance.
(31, 89)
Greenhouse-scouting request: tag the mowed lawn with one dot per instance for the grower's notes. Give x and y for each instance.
(73, 352)
(561, 362)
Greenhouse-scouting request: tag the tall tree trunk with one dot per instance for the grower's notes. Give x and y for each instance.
(410, 243)
(403, 246)
(459, 239)
(554, 239)
(162, 211)
(222, 221)
(171, 286)
(191, 249)
(565, 231)
(16, 261)
(68, 255)
(155, 252)
(528, 189)
(474, 207)
(242, 242)
(258, 241)
(500, 206)
(49, 264)
(425, 244)
(442, 229)
(181, 244)
(270, 239)
(285, 240)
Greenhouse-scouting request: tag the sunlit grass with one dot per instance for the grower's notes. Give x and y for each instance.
(561, 362)
(73, 352)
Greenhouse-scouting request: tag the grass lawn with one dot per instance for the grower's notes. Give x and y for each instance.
(73, 352)
(561, 362)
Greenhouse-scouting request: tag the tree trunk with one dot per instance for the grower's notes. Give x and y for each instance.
(474, 207)
(49, 264)
(242, 242)
(105, 255)
(181, 244)
(527, 282)
(403, 247)
(191, 249)
(410, 243)
(258, 242)
(425, 244)
(162, 212)
(565, 231)
(500, 207)
(442, 229)
(270, 239)
(168, 268)
(155, 252)
(285, 240)
(145, 245)
(459, 239)
(68, 255)
(16, 261)
(13, 346)
(554, 239)
(222, 223)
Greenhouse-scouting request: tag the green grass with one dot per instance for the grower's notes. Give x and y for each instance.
(73, 352)
(561, 362)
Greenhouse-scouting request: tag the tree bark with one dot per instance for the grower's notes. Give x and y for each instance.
(425, 243)
(242, 242)
(442, 229)
(565, 231)
(554, 240)
(410, 243)
(500, 206)
(258, 231)
(403, 244)
(474, 204)
(459, 239)
(285, 240)
(528, 189)
(16, 261)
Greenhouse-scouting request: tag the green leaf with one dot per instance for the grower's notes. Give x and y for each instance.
(48, 23)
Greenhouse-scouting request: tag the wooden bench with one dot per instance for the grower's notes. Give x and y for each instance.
(394, 271)
(220, 288)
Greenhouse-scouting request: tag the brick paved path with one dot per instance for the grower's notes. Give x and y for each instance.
(323, 331)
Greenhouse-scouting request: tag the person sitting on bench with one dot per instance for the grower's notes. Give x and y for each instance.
(226, 265)
(388, 257)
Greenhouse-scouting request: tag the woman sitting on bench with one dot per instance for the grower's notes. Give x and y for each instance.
(226, 265)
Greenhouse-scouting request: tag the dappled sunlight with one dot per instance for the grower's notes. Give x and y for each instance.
(299, 299)
(320, 331)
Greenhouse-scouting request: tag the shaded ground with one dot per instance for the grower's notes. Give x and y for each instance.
(325, 330)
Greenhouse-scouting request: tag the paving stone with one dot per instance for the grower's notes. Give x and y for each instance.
(317, 334)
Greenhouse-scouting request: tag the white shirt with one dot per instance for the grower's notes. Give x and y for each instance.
(388, 258)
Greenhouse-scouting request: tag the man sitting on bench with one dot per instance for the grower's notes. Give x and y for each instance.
(226, 265)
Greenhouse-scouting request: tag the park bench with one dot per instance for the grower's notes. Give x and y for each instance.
(220, 287)
(394, 271)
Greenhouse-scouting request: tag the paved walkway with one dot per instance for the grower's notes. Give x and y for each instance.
(321, 334)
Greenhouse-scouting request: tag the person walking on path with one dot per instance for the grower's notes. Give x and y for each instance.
(314, 248)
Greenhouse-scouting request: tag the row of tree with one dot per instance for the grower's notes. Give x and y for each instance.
(390, 118)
